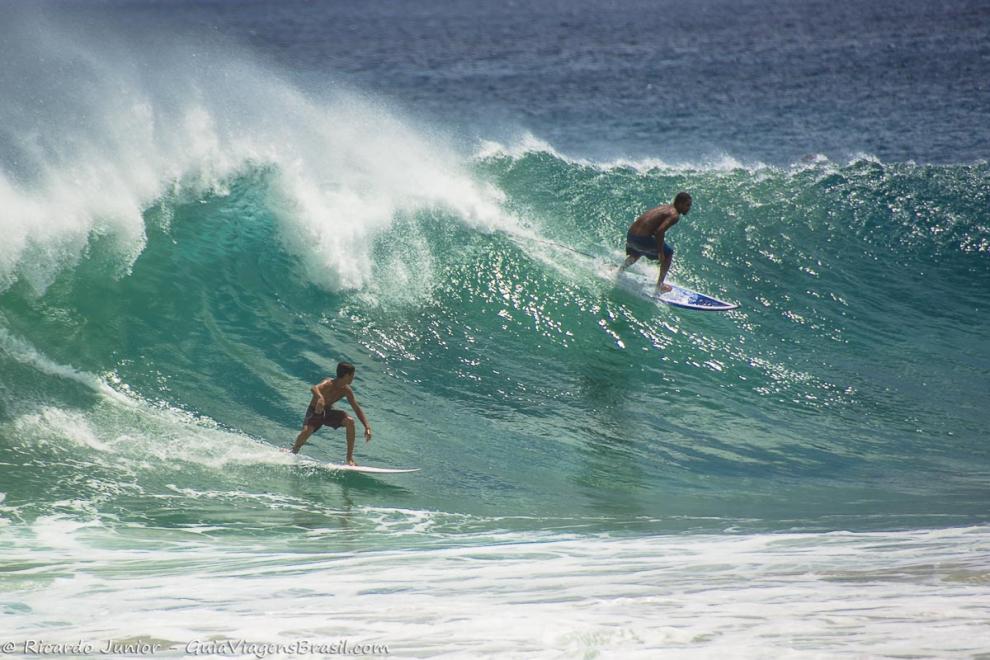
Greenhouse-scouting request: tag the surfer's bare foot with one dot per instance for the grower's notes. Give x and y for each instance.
(350, 461)
(664, 289)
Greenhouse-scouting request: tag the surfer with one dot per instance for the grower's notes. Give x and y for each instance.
(321, 411)
(646, 235)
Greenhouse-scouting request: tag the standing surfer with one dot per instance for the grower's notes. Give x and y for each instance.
(646, 235)
(321, 411)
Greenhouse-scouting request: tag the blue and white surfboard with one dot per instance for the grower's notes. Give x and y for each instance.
(679, 296)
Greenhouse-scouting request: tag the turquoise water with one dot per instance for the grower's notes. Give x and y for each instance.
(519, 376)
(187, 250)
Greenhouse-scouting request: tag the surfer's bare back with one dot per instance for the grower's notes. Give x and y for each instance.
(321, 411)
(647, 233)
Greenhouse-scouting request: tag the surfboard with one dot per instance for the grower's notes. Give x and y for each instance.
(367, 469)
(678, 296)
(341, 467)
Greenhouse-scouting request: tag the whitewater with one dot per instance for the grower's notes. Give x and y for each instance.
(194, 230)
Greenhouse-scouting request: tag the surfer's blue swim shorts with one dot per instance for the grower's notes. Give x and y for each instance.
(646, 246)
(329, 417)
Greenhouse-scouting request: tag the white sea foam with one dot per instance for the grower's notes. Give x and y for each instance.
(23, 352)
(122, 431)
(137, 437)
(923, 592)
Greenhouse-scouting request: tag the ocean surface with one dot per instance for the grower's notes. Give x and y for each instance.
(205, 206)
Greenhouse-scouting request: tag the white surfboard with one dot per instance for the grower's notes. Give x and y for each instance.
(367, 469)
(341, 467)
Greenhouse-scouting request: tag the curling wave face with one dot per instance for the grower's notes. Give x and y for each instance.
(187, 248)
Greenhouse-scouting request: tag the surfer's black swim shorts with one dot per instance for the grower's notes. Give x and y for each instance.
(645, 246)
(329, 417)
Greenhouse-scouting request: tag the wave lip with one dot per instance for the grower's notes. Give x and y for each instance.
(128, 126)
(530, 145)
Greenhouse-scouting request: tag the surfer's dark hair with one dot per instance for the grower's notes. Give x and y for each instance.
(344, 368)
(681, 198)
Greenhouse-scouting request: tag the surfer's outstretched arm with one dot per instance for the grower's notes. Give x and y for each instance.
(349, 393)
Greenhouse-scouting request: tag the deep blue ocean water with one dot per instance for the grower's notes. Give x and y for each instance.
(761, 81)
(205, 206)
